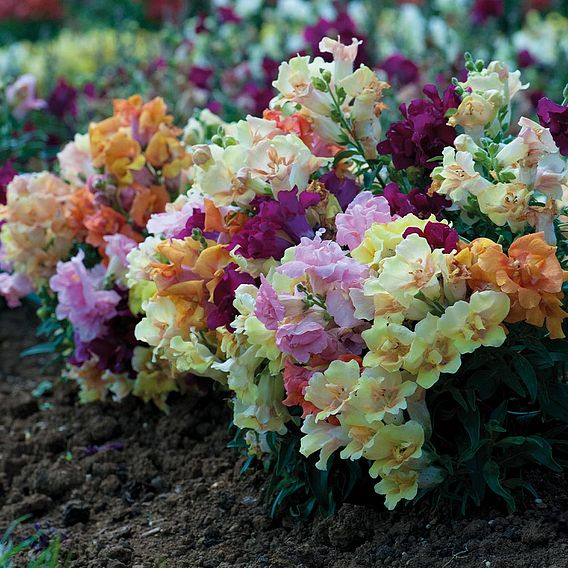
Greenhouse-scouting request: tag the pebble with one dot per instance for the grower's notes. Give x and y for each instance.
(76, 512)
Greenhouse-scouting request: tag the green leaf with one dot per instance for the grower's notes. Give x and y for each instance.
(517, 482)
(553, 399)
(43, 388)
(512, 441)
(343, 155)
(39, 349)
(541, 451)
(526, 372)
(491, 474)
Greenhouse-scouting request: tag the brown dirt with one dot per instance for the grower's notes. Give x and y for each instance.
(166, 492)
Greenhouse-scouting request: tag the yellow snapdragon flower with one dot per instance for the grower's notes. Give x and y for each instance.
(380, 392)
(398, 485)
(388, 344)
(330, 390)
(381, 239)
(393, 445)
(477, 322)
(432, 353)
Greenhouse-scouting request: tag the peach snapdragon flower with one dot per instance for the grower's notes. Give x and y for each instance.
(531, 275)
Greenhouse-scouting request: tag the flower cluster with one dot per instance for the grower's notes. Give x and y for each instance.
(68, 236)
(300, 282)
(389, 293)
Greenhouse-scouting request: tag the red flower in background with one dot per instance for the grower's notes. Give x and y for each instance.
(484, 10)
(30, 10)
(7, 174)
(165, 10)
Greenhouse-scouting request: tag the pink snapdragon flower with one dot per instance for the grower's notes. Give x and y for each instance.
(296, 380)
(173, 220)
(325, 263)
(22, 96)
(81, 298)
(13, 287)
(302, 339)
(117, 248)
(365, 210)
(269, 310)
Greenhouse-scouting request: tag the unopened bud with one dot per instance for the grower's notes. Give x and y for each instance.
(201, 154)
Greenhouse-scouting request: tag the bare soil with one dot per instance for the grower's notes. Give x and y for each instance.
(124, 485)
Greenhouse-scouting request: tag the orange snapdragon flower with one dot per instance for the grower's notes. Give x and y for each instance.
(107, 221)
(81, 204)
(100, 134)
(530, 274)
(302, 126)
(210, 265)
(166, 152)
(123, 156)
(189, 272)
(148, 200)
(231, 223)
(152, 116)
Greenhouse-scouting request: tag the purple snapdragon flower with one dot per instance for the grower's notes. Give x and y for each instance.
(424, 133)
(200, 76)
(276, 226)
(7, 174)
(223, 311)
(62, 101)
(400, 70)
(484, 10)
(345, 189)
(438, 235)
(416, 201)
(555, 117)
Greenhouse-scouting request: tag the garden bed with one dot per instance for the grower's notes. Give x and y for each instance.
(126, 485)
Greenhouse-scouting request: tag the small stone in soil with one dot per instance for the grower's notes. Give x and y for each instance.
(76, 512)
(25, 407)
(33, 505)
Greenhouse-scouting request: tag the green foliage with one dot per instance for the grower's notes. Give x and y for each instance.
(18, 144)
(43, 554)
(59, 333)
(506, 408)
(295, 486)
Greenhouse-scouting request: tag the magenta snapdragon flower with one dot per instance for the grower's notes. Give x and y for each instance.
(112, 350)
(325, 263)
(13, 287)
(268, 308)
(302, 339)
